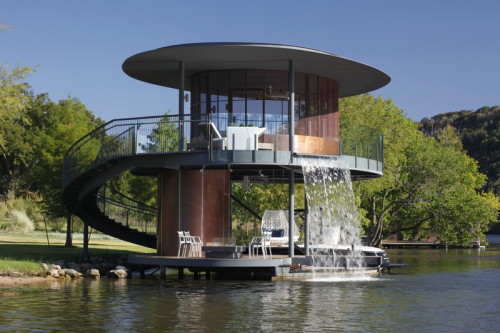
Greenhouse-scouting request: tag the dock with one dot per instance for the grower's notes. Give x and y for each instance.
(280, 267)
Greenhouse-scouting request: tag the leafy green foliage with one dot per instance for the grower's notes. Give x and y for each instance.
(59, 126)
(479, 133)
(429, 185)
(36, 133)
(164, 138)
(260, 197)
(14, 94)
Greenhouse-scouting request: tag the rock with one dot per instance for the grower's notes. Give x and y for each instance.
(119, 273)
(53, 273)
(93, 273)
(45, 267)
(56, 267)
(72, 273)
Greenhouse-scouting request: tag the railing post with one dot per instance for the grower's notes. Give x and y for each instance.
(378, 154)
(382, 150)
(368, 155)
(135, 142)
(181, 134)
(356, 154)
(210, 145)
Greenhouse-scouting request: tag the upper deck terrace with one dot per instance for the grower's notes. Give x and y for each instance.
(255, 146)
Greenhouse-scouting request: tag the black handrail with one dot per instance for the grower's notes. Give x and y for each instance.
(147, 214)
(162, 134)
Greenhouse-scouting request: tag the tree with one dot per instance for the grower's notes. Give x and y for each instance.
(260, 197)
(479, 133)
(15, 147)
(164, 138)
(427, 183)
(59, 126)
(399, 131)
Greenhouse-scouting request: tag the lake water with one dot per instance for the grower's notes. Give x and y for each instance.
(440, 291)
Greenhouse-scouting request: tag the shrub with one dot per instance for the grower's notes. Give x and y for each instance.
(29, 207)
(18, 221)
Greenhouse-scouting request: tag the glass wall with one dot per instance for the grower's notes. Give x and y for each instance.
(259, 98)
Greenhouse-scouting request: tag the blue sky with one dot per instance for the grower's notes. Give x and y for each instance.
(442, 55)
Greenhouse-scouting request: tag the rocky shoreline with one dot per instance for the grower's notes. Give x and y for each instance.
(93, 268)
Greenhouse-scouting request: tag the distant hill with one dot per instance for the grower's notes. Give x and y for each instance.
(480, 134)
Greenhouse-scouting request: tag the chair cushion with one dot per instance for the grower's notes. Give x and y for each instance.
(278, 233)
(265, 230)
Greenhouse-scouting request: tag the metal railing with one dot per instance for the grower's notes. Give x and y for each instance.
(178, 133)
(157, 135)
(126, 210)
(361, 141)
(126, 137)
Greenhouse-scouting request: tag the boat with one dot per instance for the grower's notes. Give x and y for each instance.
(342, 255)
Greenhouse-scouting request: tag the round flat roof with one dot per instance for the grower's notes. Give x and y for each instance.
(161, 66)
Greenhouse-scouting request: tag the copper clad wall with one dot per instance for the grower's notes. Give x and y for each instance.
(192, 201)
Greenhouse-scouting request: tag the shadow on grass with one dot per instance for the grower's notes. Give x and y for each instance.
(45, 253)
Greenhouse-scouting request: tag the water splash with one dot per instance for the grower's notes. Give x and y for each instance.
(334, 227)
(357, 278)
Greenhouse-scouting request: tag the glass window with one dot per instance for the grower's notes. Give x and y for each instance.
(260, 98)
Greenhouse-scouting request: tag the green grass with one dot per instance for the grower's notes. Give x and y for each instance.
(25, 253)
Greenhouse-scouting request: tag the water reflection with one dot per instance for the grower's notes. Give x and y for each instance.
(440, 291)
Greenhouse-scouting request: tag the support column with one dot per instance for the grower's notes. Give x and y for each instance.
(291, 106)
(306, 225)
(291, 135)
(291, 213)
(181, 104)
(85, 240)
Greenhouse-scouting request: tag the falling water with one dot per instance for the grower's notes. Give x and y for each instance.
(334, 227)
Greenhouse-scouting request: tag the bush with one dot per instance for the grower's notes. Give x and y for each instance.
(18, 221)
(29, 207)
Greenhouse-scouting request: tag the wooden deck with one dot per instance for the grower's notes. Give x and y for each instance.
(280, 267)
(244, 267)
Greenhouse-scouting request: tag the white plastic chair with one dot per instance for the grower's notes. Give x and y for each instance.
(195, 244)
(263, 242)
(183, 244)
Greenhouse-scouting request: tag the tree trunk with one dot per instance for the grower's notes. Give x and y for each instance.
(377, 237)
(376, 228)
(85, 240)
(69, 231)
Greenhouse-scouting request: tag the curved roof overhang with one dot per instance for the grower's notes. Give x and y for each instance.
(161, 66)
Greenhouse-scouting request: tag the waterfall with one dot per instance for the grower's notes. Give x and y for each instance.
(334, 227)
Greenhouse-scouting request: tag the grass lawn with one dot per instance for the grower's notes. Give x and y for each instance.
(24, 253)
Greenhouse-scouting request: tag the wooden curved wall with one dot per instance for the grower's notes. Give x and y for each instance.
(313, 135)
